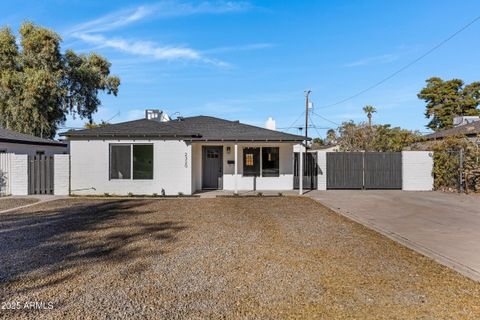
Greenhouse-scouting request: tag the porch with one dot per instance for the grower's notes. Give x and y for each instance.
(242, 167)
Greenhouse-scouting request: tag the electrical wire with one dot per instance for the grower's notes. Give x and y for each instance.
(326, 119)
(404, 67)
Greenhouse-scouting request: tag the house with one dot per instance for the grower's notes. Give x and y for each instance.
(181, 156)
(468, 126)
(19, 143)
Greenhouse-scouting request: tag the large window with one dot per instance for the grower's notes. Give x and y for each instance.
(142, 161)
(126, 159)
(270, 162)
(266, 165)
(251, 162)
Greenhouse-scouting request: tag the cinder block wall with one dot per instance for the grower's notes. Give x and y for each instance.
(417, 169)
(19, 175)
(61, 177)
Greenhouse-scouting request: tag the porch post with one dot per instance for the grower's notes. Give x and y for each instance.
(235, 159)
(300, 171)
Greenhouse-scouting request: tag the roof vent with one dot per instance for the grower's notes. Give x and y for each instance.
(156, 115)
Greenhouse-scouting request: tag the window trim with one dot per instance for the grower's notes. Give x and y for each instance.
(131, 160)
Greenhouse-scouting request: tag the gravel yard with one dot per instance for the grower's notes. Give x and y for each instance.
(10, 203)
(286, 257)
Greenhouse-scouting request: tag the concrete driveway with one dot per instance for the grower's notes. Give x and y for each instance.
(443, 226)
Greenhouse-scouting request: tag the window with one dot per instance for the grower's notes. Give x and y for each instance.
(270, 162)
(120, 162)
(142, 161)
(40, 152)
(251, 162)
(131, 161)
(3, 150)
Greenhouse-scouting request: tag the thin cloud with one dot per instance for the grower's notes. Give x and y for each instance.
(113, 21)
(148, 49)
(164, 9)
(93, 32)
(386, 58)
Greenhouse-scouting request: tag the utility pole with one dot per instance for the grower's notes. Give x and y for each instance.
(307, 93)
(300, 164)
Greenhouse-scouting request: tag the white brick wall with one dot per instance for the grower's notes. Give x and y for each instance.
(19, 176)
(417, 169)
(61, 178)
(322, 170)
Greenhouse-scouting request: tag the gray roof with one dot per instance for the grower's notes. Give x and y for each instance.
(200, 128)
(469, 129)
(16, 137)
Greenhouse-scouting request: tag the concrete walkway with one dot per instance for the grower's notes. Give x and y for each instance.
(443, 226)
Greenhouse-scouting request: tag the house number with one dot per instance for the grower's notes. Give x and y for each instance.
(186, 160)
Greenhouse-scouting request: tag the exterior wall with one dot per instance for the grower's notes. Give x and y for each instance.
(322, 170)
(283, 182)
(5, 173)
(31, 149)
(417, 169)
(61, 174)
(19, 175)
(172, 168)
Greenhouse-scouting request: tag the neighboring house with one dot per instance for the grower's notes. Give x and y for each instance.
(185, 155)
(19, 143)
(466, 126)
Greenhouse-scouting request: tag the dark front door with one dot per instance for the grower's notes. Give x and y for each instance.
(212, 167)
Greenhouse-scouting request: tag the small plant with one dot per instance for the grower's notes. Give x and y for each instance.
(155, 195)
(280, 194)
(163, 192)
(106, 194)
(260, 194)
(130, 194)
(180, 194)
(236, 194)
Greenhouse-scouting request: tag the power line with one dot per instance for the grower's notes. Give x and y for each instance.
(326, 119)
(301, 114)
(404, 67)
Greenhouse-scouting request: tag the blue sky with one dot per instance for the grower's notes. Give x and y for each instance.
(249, 60)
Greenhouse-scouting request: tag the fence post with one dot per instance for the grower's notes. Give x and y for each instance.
(461, 155)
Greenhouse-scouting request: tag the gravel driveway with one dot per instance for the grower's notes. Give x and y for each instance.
(13, 202)
(271, 258)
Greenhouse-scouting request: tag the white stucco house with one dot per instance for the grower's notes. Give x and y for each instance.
(19, 143)
(185, 155)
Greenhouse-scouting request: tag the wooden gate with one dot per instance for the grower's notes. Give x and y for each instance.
(310, 171)
(40, 174)
(364, 170)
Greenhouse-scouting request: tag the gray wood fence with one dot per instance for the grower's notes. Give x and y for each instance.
(40, 174)
(364, 170)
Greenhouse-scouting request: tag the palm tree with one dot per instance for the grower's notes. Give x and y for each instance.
(331, 136)
(369, 110)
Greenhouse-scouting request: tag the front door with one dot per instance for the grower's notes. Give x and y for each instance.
(212, 167)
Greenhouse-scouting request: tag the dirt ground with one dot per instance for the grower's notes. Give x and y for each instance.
(267, 258)
(13, 202)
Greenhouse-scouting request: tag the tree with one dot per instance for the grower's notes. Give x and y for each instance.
(369, 110)
(382, 138)
(331, 136)
(91, 125)
(40, 86)
(447, 99)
